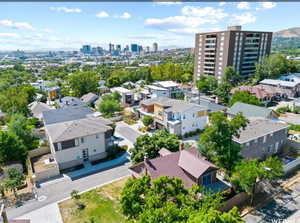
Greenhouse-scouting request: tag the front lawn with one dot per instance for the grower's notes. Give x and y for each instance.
(100, 205)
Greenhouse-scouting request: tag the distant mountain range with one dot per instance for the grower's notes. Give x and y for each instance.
(287, 38)
(288, 33)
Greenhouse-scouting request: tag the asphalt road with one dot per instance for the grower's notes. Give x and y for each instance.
(284, 208)
(127, 132)
(59, 189)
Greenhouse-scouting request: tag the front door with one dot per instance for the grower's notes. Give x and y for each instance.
(85, 154)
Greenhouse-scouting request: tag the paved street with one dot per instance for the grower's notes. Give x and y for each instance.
(285, 208)
(54, 191)
(126, 132)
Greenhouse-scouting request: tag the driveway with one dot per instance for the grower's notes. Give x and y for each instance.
(57, 190)
(126, 132)
(284, 208)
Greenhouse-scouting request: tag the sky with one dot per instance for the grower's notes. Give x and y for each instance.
(66, 25)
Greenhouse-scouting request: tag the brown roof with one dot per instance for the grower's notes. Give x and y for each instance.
(182, 164)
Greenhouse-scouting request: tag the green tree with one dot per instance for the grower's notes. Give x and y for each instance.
(223, 91)
(147, 120)
(149, 145)
(215, 216)
(231, 76)
(19, 126)
(110, 104)
(15, 178)
(83, 82)
(164, 200)
(207, 84)
(11, 148)
(245, 97)
(14, 100)
(249, 172)
(273, 66)
(216, 142)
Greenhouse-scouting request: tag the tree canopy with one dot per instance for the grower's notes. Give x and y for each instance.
(164, 200)
(245, 97)
(83, 82)
(150, 145)
(110, 103)
(207, 84)
(216, 142)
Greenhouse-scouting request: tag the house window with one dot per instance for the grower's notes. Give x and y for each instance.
(82, 139)
(201, 113)
(97, 136)
(59, 146)
(76, 142)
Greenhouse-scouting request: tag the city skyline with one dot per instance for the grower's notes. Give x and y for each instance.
(68, 26)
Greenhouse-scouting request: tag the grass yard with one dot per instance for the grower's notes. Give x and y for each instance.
(101, 206)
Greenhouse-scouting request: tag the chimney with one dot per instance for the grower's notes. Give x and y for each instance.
(146, 157)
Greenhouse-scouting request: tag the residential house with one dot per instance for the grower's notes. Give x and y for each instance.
(156, 91)
(37, 108)
(178, 116)
(89, 98)
(74, 142)
(262, 138)
(171, 86)
(65, 114)
(186, 165)
(251, 111)
(69, 101)
(262, 94)
(292, 87)
(127, 96)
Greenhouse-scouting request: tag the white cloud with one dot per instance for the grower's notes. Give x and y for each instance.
(210, 12)
(243, 18)
(102, 14)
(16, 25)
(65, 9)
(168, 3)
(190, 20)
(12, 35)
(125, 15)
(266, 5)
(243, 5)
(222, 3)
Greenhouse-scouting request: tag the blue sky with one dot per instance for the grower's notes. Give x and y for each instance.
(42, 25)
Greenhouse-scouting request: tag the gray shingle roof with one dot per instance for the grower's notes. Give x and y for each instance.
(37, 108)
(63, 131)
(65, 114)
(89, 98)
(172, 104)
(259, 127)
(249, 111)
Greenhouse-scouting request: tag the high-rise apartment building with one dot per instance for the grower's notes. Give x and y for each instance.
(86, 49)
(118, 48)
(134, 48)
(155, 47)
(214, 51)
(111, 47)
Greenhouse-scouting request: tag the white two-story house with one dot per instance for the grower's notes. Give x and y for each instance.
(76, 141)
(178, 116)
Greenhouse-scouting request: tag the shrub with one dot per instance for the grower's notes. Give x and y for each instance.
(129, 121)
(75, 194)
(147, 120)
(294, 127)
(282, 110)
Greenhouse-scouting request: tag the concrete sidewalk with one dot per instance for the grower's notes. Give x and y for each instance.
(47, 214)
(90, 169)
